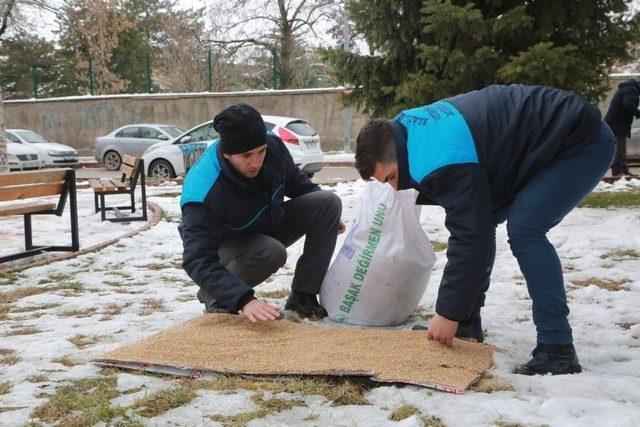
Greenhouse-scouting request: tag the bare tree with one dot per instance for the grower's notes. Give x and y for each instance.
(286, 26)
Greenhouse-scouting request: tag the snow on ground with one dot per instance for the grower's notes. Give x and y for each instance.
(339, 157)
(136, 287)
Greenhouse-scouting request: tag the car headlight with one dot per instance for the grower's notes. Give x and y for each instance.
(12, 158)
(53, 153)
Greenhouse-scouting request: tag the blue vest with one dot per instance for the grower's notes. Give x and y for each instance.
(437, 136)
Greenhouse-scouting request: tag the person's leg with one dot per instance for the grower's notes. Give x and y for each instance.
(544, 201)
(251, 258)
(619, 165)
(316, 216)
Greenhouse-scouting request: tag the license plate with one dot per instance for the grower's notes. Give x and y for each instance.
(312, 145)
(69, 158)
(30, 164)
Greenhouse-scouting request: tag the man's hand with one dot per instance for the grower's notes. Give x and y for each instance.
(442, 330)
(341, 227)
(258, 310)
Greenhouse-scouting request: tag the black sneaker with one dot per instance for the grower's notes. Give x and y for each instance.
(211, 305)
(554, 359)
(472, 328)
(306, 305)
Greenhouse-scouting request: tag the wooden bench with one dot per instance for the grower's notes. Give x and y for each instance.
(132, 171)
(32, 185)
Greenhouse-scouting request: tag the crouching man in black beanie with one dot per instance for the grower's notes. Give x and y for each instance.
(236, 225)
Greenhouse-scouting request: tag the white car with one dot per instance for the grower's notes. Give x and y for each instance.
(22, 157)
(166, 159)
(132, 140)
(53, 154)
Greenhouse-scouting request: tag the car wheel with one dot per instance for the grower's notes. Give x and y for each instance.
(310, 175)
(112, 160)
(161, 169)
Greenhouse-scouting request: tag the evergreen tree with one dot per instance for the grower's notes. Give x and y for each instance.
(426, 50)
(19, 54)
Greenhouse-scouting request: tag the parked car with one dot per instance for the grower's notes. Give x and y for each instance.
(132, 140)
(53, 153)
(302, 141)
(22, 157)
(166, 159)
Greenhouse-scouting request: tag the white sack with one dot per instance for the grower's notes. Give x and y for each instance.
(384, 265)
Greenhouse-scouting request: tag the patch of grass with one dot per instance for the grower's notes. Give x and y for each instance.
(44, 281)
(439, 246)
(152, 305)
(156, 266)
(113, 309)
(501, 422)
(275, 404)
(4, 311)
(5, 387)
(423, 313)
(29, 330)
(609, 199)
(10, 278)
(621, 254)
(58, 277)
(10, 297)
(8, 356)
(186, 298)
(240, 420)
(82, 341)
(490, 384)
(609, 285)
(83, 402)
(65, 360)
(37, 378)
(626, 325)
(114, 283)
(34, 308)
(160, 402)
(277, 294)
(78, 313)
(73, 286)
(403, 412)
(340, 391)
(431, 421)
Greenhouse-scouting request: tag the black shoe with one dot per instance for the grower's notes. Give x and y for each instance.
(554, 359)
(306, 305)
(211, 305)
(471, 328)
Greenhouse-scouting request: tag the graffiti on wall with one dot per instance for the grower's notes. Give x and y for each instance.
(96, 117)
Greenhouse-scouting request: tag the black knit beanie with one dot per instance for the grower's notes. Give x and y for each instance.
(241, 129)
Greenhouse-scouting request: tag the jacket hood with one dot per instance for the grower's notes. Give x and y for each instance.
(631, 82)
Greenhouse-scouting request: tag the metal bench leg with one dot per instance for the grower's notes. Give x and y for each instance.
(95, 200)
(102, 208)
(133, 202)
(28, 236)
(73, 213)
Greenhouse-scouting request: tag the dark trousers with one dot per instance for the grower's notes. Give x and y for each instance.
(543, 202)
(619, 165)
(255, 257)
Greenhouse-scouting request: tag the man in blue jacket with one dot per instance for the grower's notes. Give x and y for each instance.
(236, 225)
(622, 110)
(524, 154)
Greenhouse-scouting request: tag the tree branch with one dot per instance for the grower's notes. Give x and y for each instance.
(5, 16)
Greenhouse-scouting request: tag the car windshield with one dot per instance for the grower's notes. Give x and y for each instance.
(173, 131)
(32, 137)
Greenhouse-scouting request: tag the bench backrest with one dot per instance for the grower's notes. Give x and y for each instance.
(129, 169)
(26, 185)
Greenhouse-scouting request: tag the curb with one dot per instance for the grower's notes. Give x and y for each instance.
(153, 221)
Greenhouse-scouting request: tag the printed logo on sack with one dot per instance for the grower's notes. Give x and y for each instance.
(364, 261)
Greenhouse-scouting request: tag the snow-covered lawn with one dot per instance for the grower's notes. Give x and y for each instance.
(54, 319)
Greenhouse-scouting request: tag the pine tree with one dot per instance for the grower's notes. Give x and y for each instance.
(20, 53)
(430, 49)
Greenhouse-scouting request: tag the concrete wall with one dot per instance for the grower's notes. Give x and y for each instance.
(77, 121)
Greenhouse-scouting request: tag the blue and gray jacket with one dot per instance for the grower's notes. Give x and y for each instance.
(218, 203)
(471, 154)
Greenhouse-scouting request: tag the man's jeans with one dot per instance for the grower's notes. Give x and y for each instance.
(541, 204)
(255, 257)
(620, 165)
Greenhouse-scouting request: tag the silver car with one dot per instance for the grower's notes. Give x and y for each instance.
(132, 140)
(633, 145)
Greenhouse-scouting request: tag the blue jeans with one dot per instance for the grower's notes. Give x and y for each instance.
(541, 204)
